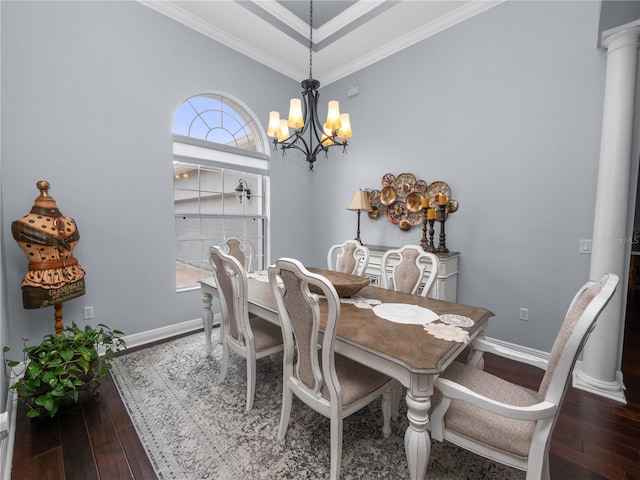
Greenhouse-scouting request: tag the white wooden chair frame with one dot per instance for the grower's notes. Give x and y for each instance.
(245, 329)
(241, 250)
(408, 270)
(350, 257)
(545, 412)
(312, 396)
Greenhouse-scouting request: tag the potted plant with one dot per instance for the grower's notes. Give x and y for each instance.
(62, 364)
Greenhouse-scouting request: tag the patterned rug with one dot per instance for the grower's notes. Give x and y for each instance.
(194, 427)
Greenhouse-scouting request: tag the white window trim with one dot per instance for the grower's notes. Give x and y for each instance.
(195, 154)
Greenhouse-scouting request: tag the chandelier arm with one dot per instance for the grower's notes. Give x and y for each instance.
(317, 129)
(287, 146)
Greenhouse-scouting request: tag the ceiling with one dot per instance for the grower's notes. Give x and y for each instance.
(347, 35)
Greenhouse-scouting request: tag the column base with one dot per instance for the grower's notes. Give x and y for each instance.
(612, 390)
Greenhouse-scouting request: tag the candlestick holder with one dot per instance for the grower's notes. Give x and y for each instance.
(431, 247)
(427, 243)
(442, 245)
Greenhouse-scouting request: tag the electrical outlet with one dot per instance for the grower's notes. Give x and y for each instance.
(88, 313)
(524, 314)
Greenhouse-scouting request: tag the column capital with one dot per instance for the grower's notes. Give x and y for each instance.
(626, 35)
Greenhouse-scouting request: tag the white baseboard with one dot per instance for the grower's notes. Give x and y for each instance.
(519, 348)
(162, 333)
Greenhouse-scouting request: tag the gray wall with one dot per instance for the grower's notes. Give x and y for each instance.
(89, 90)
(505, 107)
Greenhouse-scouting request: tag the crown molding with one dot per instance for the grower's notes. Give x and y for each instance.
(466, 11)
(193, 22)
(447, 21)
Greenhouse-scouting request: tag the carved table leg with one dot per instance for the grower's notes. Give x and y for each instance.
(207, 319)
(417, 444)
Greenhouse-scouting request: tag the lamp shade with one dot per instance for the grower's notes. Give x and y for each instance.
(333, 116)
(295, 114)
(360, 201)
(274, 124)
(345, 127)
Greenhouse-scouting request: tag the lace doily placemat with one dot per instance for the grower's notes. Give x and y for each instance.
(405, 313)
(361, 302)
(447, 332)
(456, 320)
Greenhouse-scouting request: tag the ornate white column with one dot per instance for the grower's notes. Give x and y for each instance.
(601, 354)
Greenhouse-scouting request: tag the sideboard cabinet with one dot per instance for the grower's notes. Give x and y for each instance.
(446, 284)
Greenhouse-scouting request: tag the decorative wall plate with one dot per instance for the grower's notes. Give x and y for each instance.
(395, 212)
(415, 218)
(388, 196)
(404, 225)
(374, 213)
(437, 187)
(404, 184)
(388, 180)
(414, 202)
(374, 198)
(420, 186)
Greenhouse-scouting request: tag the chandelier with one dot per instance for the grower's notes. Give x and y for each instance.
(304, 119)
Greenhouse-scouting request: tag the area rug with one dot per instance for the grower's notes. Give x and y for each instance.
(194, 427)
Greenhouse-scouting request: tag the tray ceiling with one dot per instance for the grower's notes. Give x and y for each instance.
(347, 35)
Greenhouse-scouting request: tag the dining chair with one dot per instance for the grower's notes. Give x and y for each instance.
(506, 422)
(252, 338)
(241, 250)
(408, 265)
(332, 385)
(349, 257)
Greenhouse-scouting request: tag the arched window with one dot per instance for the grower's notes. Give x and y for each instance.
(220, 170)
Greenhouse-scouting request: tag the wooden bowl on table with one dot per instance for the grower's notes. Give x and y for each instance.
(345, 284)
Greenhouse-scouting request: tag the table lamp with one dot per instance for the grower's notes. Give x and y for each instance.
(359, 203)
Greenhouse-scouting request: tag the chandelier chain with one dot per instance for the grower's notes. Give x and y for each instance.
(310, 37)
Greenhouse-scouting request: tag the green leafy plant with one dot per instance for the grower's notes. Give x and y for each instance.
(64, 363)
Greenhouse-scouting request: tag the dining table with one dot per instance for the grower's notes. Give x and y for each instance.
(400, 346)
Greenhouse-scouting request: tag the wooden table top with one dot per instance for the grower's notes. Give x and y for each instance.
(409, 345)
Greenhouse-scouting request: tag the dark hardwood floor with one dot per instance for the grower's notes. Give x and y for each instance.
(595, 438)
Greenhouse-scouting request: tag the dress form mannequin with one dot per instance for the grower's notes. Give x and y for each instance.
(48, 238)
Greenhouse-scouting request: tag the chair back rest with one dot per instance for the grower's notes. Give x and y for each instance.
(241, 250)
(350, 257)
(232, 287)
(301, 319)
(578, 324)
(409, 270)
